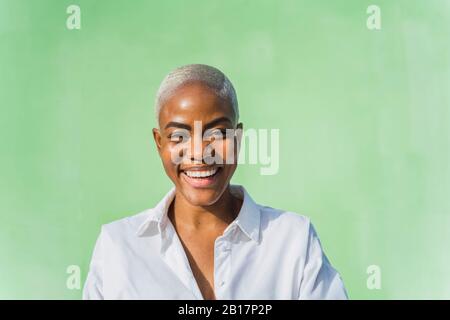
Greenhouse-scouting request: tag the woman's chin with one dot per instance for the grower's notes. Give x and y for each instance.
(201, 197)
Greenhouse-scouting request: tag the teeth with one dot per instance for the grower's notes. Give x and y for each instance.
(201, 174)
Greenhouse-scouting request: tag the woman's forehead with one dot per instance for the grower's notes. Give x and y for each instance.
(195, 102)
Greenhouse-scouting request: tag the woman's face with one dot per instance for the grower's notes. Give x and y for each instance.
(198, 153)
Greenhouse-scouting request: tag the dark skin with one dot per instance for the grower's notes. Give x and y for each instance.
(199, 214)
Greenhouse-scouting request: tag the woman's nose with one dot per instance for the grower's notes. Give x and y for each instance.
(196, 149)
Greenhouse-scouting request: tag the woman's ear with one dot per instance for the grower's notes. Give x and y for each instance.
(157, 137)
(238, 135)
(239, 129)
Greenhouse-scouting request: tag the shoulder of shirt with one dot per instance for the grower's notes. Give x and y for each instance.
(128, 224)
(284, 218)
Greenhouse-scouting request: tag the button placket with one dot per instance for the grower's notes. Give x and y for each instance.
(222, 250)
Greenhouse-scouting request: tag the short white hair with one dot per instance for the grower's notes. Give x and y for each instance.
(210, 76)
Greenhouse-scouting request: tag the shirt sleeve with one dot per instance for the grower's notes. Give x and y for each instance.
(320, 280)
(93, 287)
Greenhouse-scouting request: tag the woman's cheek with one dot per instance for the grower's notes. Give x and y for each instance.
(230, 152)
(175, 153)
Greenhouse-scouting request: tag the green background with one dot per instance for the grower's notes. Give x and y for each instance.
(363, 118)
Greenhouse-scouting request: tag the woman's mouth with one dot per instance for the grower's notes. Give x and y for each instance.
(200, 178)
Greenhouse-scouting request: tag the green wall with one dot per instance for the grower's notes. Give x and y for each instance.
(363, 118)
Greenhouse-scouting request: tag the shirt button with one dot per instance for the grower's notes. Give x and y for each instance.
(222, 283)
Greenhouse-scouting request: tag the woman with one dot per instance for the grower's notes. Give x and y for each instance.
(207, 238)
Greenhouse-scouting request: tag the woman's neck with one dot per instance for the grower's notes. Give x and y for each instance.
(205, 218)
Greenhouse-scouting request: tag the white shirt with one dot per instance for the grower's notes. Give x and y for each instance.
(264, 253)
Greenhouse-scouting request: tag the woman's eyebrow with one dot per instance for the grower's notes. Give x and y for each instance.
(177, 125)
(188, 127)
(217, 121)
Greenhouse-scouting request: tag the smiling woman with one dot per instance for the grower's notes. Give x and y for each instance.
(207, 238)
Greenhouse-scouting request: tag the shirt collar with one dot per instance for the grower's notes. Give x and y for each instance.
(248, 219)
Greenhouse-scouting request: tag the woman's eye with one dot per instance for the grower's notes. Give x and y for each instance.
(217, 135)
(178, 137)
